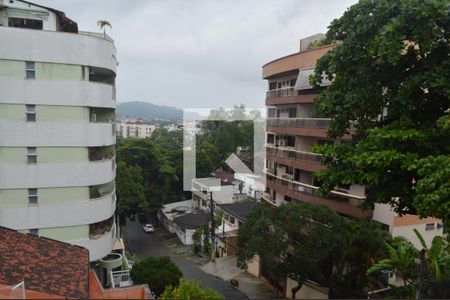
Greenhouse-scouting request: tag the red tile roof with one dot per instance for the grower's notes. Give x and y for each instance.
(46, 265)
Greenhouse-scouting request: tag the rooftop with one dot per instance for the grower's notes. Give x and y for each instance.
(239, 210)
(47, 266)
(192, 220)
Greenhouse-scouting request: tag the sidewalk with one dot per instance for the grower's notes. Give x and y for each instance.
(249, 285)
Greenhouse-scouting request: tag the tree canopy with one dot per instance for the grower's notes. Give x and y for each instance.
(157, 272)
(390, 89)
(188, 289)
(310, 242)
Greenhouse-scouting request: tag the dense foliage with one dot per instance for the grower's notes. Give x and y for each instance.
(391, 85)
(187, 289)
(309, 242)
(157, 272)
(401, 258)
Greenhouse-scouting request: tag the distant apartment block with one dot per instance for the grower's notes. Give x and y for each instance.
(57, 114)
(135, 129)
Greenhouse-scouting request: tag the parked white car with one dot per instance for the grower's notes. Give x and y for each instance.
(148, 228)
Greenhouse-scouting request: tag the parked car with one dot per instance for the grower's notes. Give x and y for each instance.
(148, 228)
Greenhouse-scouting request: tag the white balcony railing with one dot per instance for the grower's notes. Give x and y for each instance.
(281, 93)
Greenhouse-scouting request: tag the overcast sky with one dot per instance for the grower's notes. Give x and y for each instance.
(200, 53)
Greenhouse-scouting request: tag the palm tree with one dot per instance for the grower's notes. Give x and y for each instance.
(103, 24)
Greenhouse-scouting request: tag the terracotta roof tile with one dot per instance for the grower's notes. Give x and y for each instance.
(45, 265)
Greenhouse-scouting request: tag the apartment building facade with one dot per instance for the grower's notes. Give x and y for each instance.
(135, 129)
(57, 132)
(292, 128)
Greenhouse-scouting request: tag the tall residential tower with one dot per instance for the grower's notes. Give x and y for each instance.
(292, 128)
(57, 133)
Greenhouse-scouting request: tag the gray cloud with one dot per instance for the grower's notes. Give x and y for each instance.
(200, 53)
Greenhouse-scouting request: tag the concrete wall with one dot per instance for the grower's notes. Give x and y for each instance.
(45, 196)
(253, 266)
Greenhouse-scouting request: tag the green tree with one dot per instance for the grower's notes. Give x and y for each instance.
(130, 190)
(157, 272)
(189, 290)
(401, 260)
(390, 84)
(310, 242)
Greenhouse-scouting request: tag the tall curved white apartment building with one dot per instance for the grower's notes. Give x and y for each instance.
(57, 133)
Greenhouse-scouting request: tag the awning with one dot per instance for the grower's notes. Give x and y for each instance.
(302, 82)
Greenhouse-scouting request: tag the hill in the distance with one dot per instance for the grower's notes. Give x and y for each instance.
(148, 111)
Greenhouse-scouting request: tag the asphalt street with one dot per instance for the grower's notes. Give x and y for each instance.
(144, 245)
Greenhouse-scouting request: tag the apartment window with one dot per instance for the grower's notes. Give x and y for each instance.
(30, 70)
(440, 225)
(34, 231)
(232, 220)
(271, 112)
(293, 112)
(25, 23)
(32, 155)
(272, 86)
(32, 196)
(429, 226)
(31, 113)
(293, 82)
(290, 141)
(270, 138)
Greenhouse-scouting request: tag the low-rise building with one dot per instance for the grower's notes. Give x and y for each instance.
(404, 225)
(234, 215)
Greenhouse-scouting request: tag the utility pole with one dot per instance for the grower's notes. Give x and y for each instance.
(419, 295)
(213, 228)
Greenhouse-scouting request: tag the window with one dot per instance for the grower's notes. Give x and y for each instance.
(293, 82)
(30, 70)
(232, 220)
(271, 112)
(429, 226)
(270, 138)
(32, 196)
(34, 231)
(31, 113)
(293, 112)
(25, 23)
(272, 86)
(31, 155)
(290, 141)
(287, 199)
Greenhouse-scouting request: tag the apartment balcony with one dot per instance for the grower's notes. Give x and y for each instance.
(102, 115)
(47, 175)
(18, 90)
(317, 127)
(101, 240)
(56, 134)
(102, 153)
(46, 215)
(307, 161)
(337, 201)
(59, 47)
(288, 96)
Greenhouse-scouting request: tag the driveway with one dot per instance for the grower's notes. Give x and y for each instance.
(154, 244)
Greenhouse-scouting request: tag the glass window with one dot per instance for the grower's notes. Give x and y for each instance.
(32, 196)
(31, 113)
(429, 226)
(32, 155)
(30, 70)
(34, 231)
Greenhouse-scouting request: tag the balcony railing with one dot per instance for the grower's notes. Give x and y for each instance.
(312, 190)
(294, 154)
(311, 123)
(281, 93)
(120, 279)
